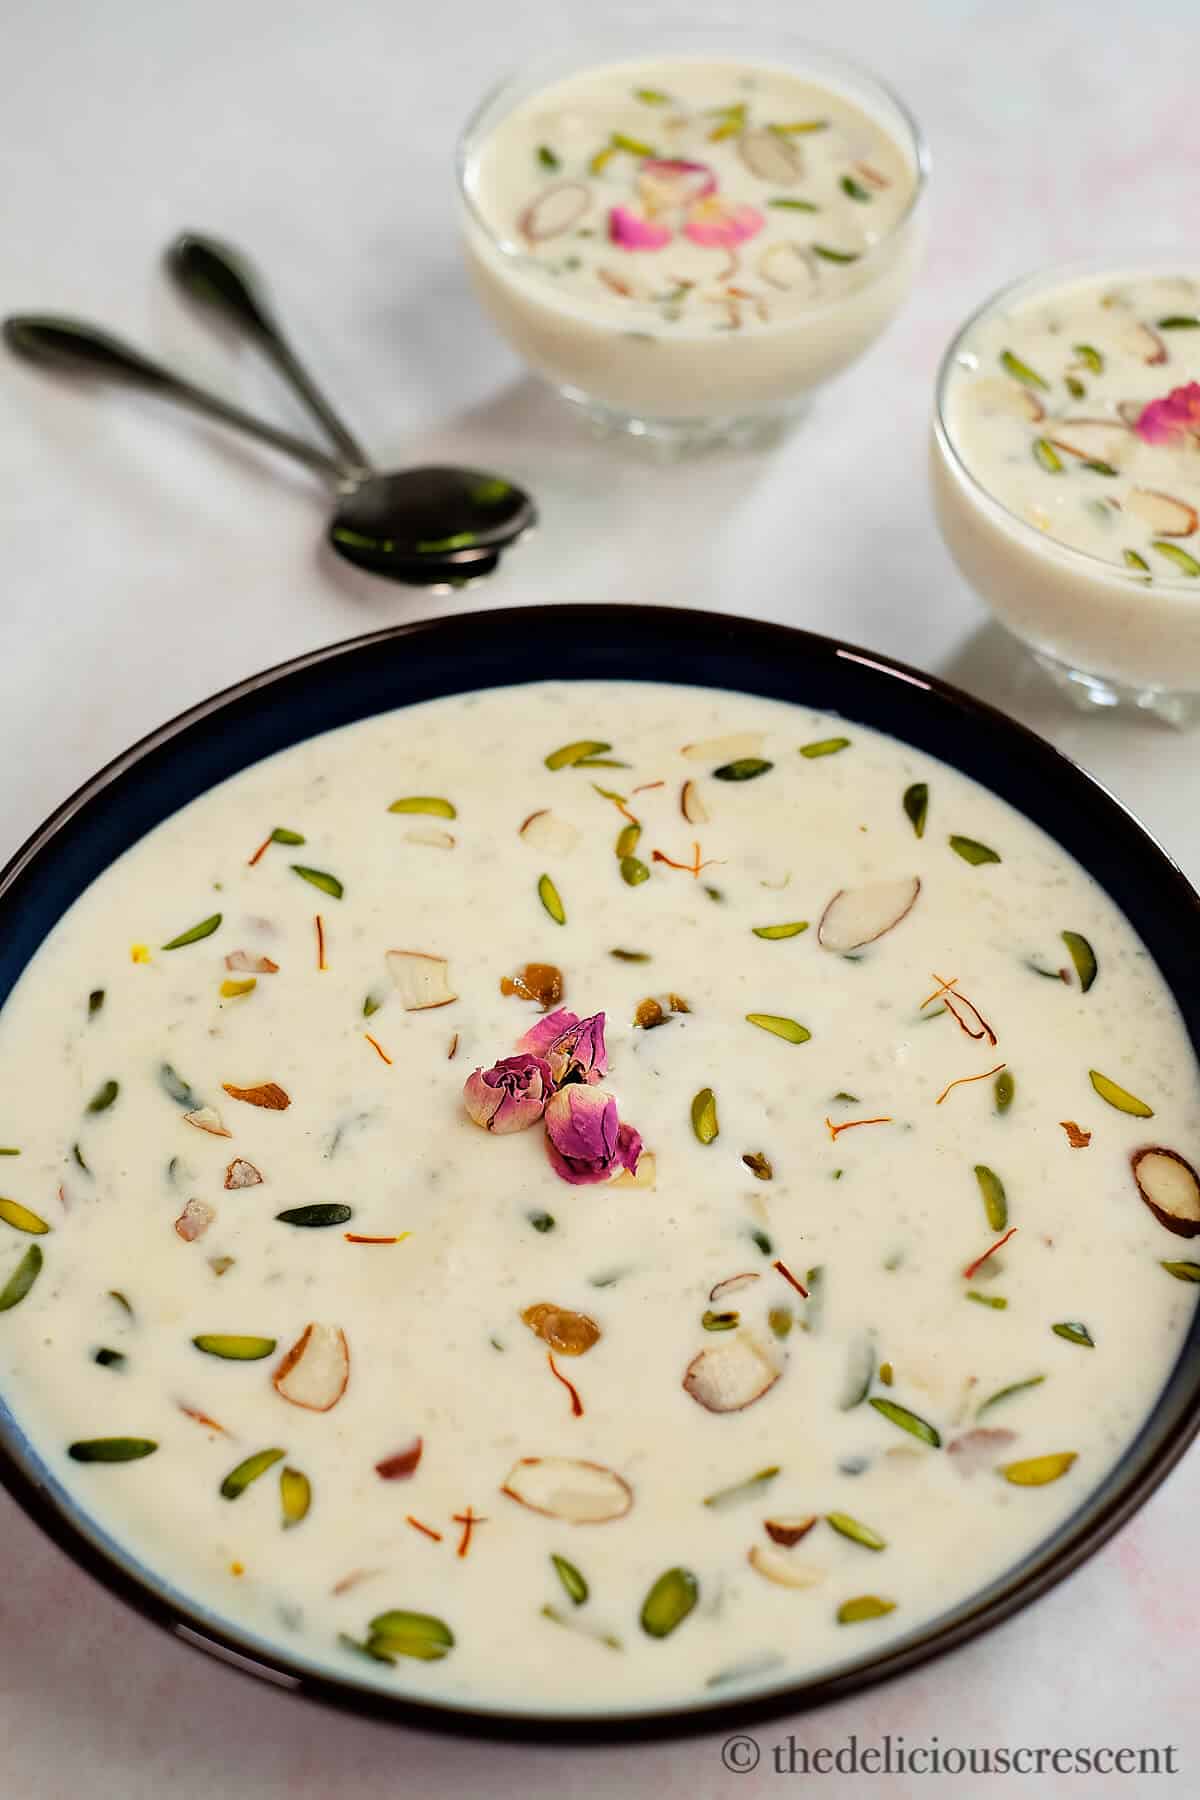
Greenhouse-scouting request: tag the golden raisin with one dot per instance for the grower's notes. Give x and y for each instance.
(570, 1333)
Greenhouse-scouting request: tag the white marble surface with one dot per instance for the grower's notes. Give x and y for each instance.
(148, 561)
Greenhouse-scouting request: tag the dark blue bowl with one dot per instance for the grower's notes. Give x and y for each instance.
(417, 662)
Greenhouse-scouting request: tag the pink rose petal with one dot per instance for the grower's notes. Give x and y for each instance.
(585, 1140)
(632, 232)
(1173, 417)
(510, 1096)
(539, 1037)
(716, 225)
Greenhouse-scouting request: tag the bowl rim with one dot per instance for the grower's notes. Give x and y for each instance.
(1043, 1568)
(1045, 279)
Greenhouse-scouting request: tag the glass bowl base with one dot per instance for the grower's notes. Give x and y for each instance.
(670, 439)
(1100, 693)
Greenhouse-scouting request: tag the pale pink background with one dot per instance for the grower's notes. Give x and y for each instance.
(146, 565)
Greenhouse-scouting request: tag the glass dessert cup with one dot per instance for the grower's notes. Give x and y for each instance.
(1109, 634)
(687, 385)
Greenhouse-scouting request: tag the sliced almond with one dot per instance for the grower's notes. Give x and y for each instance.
(546, 831)
(731, 1285)
(644, 1176)
(1170, 1187)
(195, 1220)
(431, 835)
(858, 916)
(730, 1377)
(978, 1449)
(243, 963)
(1092, 440)
(315, 1370)
(787, 266)
(691, 805)
(1166, 516)
(421, 980)
(771, 156)
(777, 1566)
(1140, 341)
(789, 1531)
(241, 1174)
(267, 1094)
(554, 211)
(207, 1118)
(1009, 398)
(724, 749)
(560, 1487)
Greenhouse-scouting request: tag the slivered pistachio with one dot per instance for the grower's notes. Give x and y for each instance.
(780, 1320)
(1037, 1471)
(319, 1214)
(997, 1302)
(631, 956)
(1074, 386)
(972, 851)
(319, 878)
(1134, 561)
(1083, 956)
(828, 254)
(720, 1321)
(858, 1533)
(237, 990)
(907, 1421)
(431, 804)
(111, 1450)
(916, 806)
(773, 933)
(21, 1219)
(704, 1116)
(281, 835)
(174, 1084)
(550, 898)
(789, 1029)
(742, 768)
(762, 1242)
(758, 1165)
(1183, 1271)
(1184, 561)
(651, 96)
(95, 1002)
(370, 1006)
(1097, 466)
(77, 1157)
(547, 158)
(787, 205)
(234, 1347)
(1075, 1333)
(193, 935)
(569, 754)
(995, 1201)
(1004, 1088)
(1090, 357)
(8, 1150)
(633, 871)
(22, 1278)
(750, 1489)
(574, 1585)
(104, 1096)
(1119, 1097)
(295, 1495)
(541, 1221)
(627, 841)
(863, 1606)
(669, 1602)
(854, 190)
(1006, 1393)
(1021, 371)
(860, 1372)
(1179, 322)
(240, 1478)
(825, 747)
(1047, 456)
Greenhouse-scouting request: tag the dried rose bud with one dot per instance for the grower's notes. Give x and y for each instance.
(573, 1047)
(511, 1095)
(585, 1139)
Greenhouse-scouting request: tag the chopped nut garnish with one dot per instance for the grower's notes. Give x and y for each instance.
(649, 1014)
(536, 981)
(1078, 1139)
(758, 1165)
(241, 1174)
(267, 1094)
(570, 1333)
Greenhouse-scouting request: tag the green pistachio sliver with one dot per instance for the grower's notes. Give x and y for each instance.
(195, 933)
(907, 1421)
(1119, 1097)
(742, 768)
(1183, 1271)
(1075, 1333)
(431, 804)
(916, 806)
(8, 1150)
(109, 1359)
(111, 1450)
(997, 1302)
(234, 1347)
(569, 754)
(281, 835)
(95, 1002)
(319, 1214)
(606, 762)
(370, 1006)
(1184, 561)
(720, 1321)
(651, 96)
(787, 205)
(21, 1219)
(362, 1649)
(627, 841)
(714, 893)
(860, 1373)
(800, 127)
(1020, 371)
(780, 1320)
(1090, 357)
(104, 1096)
(1004, 1088)
(995, 1201)
(174, 1084)
(704, 1116)
(825, 747)
(1097, 466)
(77, 1157)
(22, 1278)
(541, 1221)
(621, 140)
(319, 878)
(858, 1533)
(1134, 561)
(855, 190)
(762, 1242)
(1179, 322)
(863, 1606)
(1037, 1471)
(547, 158)
(415, 1634)
(750, 1489)
(1006, 1393)
(828, 254)
(1083, 956)
(633, 871)
(239, 1479)
(574, 1585)
(1074, 387)
(790, 1030)
(972, 851)
(631, 956)
(773, 933)
(295, 1495)
(669, 1602)
(1047, 456)
(551, 899)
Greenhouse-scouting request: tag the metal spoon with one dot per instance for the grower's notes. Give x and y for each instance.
(421, 526)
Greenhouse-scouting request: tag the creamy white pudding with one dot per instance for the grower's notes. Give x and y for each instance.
(692, 237)
(540, 1419)
(1066, 471)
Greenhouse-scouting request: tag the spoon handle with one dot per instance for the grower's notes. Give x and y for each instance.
(72, 344)
(217, 275)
